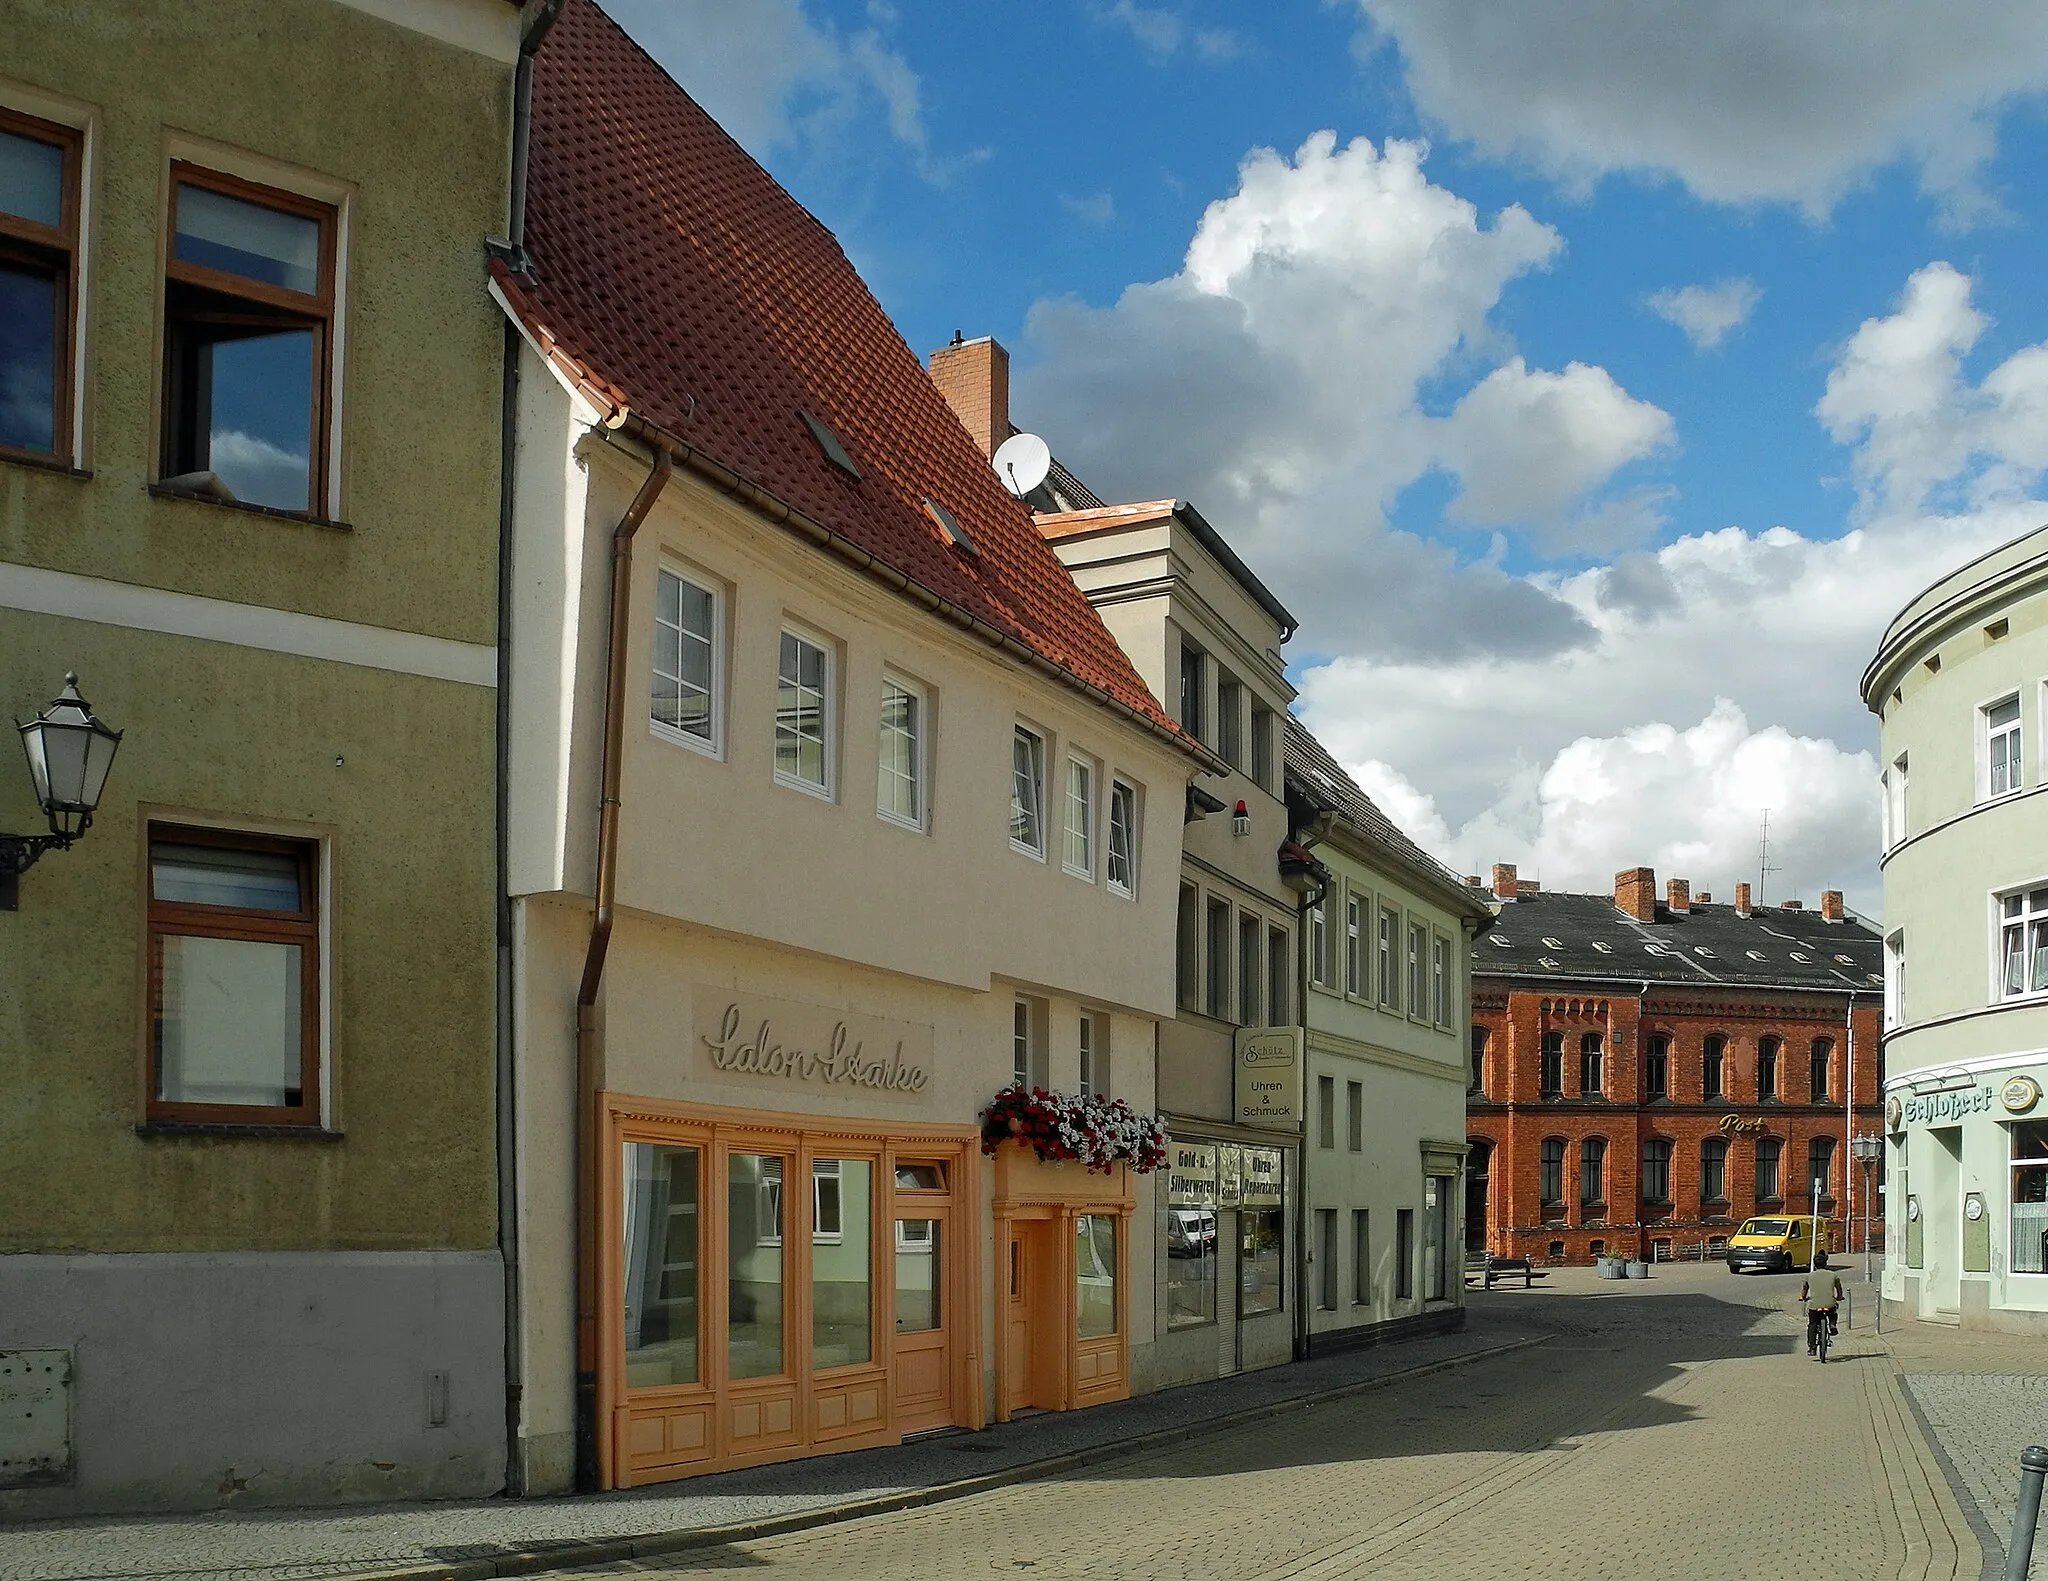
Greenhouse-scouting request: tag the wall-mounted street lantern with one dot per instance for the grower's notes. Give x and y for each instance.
(69, 753)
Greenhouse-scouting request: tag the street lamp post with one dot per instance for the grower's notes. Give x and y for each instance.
(69, 754)
(1866, 1145)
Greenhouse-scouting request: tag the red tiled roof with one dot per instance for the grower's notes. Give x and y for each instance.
(673, 277)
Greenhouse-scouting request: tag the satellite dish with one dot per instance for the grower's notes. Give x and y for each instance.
(1022, 463)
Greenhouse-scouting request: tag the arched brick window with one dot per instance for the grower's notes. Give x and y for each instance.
(1592, 1171)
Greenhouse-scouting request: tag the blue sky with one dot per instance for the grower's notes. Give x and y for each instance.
(1390, 288)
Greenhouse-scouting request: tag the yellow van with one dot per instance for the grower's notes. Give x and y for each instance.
(1780, 1245)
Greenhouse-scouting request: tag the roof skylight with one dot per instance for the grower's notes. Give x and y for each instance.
(1846, 960)
(1604, 949)
(1545, 960)
(1701, 949)
(829, 442)
(949, 524)
(1754, 955)
(1555, 944)
(1800, 955)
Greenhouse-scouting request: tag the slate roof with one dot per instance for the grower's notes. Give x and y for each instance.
(1553, 935)
(673, 277)
(1325, 785)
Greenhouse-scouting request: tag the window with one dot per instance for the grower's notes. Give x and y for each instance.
(248, 344)
(1714, 1169)
(1191, 691)
(1767, 1067)
(1592, 1172)
(1478, 1081)
(1361, 1256)
(1895, 979)
(1550, 1066)
(1248, 966)
(39, 208)
(1436, 1237)
(2028, 1242)
(1230, 722)
(1326, 1259)
(1354, 1116)
(1326, 1113)
(1122, 868)
(1027, 792)
(1895, 801)
(1589, 1065)
(2002, 748)
(1279, 969)
(1404, 1254)
(661, 1246)
(1712, 1055)
(1657, 1067)
(1094, 1274)
(1820, 1158)
(1550, 1170)
(755, 1266)
(1262, 747)
(803, 715)
(1218, 948)
(1440, 981)
(1319, 968)
(1656, 1170)
(1079, 856)
(1390, 982)
(1768, 1151)
(1817, 1068)
(1020, 1043)
(842, 1291)
(1190, 1266)
(1418, 947)
(899, 775)
(687, 661)
(1094, 1060)
(1354, 945)
(2023, 944)
(234, 978)
(1186, 966)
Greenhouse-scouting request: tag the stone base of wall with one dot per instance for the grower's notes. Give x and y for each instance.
(248, 1379)
(1447, 1319)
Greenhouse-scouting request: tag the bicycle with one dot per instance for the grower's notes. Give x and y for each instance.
(1821, 1327)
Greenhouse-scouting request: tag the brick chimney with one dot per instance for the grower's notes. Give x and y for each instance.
(1503, 881)
(1678, 893)
(1831, 905)
(1791, 905)
(1704, 898)
(974, 377)
(1471, 880)
(1741, 900)
(1635, 892)
(1528, 886)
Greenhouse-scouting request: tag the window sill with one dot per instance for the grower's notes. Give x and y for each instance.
(28, 458)
(248, 508)
(256, 1129)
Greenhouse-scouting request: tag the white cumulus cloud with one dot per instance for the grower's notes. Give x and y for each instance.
(1707, 313)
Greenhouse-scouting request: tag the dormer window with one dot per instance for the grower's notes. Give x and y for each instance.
(829, 442)
(949, 524)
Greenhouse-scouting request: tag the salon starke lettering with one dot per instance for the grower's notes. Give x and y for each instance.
(761, 1055)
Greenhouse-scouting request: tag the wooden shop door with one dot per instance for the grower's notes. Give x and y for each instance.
(1032, 1327)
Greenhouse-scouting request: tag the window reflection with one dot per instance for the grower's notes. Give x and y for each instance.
(918, 1306)
(661, 1265)
(842, 1330)
(29, 314)
(1095, 1273)
(1190, 1267)
(1260, 1248)
(754, 1265)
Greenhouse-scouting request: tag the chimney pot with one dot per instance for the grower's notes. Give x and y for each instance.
(1471, 880)
(1528, 886)
(1635, 892)
(1503, 881)
(1678, 893)
(1791, 905)
(974, 377)
(1704, 898)
(1742, 900)
(1831, 905)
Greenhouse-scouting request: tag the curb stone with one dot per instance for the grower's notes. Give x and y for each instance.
(574, 1553)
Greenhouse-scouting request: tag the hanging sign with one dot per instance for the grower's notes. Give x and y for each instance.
(1269, 1077)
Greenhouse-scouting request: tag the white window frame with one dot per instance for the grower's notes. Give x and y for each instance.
(1417, 959)
(1388, 959)
(1987, 737)
(2029, 928)
(819, 1175)
(714, 747)
(1085, 834)
(1355, 908)
(1319, 932)
(1023, 733)
(920, 734)
(1027, 1040)
(1090, 1082)
(1895, 975)
(1440, 979)
(828, 710)
(1122, 792)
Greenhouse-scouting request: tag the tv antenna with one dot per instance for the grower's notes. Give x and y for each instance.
(1764, 866)
(1023, 462)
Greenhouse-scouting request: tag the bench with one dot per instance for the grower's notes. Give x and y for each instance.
(1503, 1266)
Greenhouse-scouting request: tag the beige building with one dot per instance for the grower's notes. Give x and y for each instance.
(1389, 1018)
(835, 811)
(249, 493)
(1960, 685)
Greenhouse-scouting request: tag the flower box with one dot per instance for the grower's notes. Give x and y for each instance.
(1064, 1127)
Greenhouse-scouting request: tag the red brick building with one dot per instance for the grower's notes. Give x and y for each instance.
(1648, 1073)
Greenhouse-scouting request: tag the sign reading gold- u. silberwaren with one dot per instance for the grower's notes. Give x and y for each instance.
(1269, 1077)
(782, 1041)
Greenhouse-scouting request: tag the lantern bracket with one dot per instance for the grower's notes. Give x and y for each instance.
(18, 853)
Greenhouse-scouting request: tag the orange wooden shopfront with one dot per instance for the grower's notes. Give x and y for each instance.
(782, 1285)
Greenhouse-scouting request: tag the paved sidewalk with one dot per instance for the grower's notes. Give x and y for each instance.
(460, 1541)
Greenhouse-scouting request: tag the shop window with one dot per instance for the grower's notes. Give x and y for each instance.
(1190, 1266)
(1589, 1064)
(919, 1307)
(1657, 1170)
(1657, 1067)
(754, 1266)
(1027, 792)
(1550, 1066)
(842, 1328)
(686, 706)
(2023, 944)
(1095, 1274)
(1361, 1256)
(1078, 856)
(1714, 1169)
(1354, 945)
(1713, 1057)
(1326, 1259)
(1767, 1068)
(1121, 869)
(1326, 1113)
(2028, 1243)
(234, 978)
(1768, 1152)
(1354, 1116)
(1404, 1254)
(662, 1239)
(1550, 1173)
(248, 343)
(1390, 980)
(1279, 974)
(39, 208)
(1436, 1237)
(1249, 958)
(1261, 1228)
(803, 715)
(1818, 1058)
(900, 771)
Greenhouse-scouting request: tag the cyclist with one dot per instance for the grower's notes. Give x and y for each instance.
(1821, 1291)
